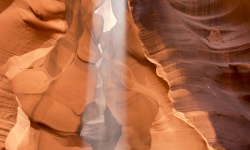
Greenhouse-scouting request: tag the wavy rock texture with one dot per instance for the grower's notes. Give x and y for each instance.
(137, 97)
(16, 39)
(201, 48)
(173, 74)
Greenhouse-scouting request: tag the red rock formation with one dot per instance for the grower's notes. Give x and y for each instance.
(175, 74)
(201, 50)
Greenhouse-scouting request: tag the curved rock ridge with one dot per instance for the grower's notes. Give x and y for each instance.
(56, 85)
(17, 38)
(201, 50)
(118, 75)
(125, 66)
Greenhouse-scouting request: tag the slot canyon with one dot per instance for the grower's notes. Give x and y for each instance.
(125, 75)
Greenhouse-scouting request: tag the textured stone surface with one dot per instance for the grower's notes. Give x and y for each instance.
(201, 48)
(168, 74)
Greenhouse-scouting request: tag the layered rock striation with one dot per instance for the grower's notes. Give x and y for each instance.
(201, 49)
(146, 75)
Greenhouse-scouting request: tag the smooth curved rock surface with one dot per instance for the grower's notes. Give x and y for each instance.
(155, 74)
(201, 48)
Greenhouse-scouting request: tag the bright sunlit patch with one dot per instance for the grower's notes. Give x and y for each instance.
(107, 13)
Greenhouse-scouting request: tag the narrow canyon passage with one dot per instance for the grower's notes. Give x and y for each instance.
(120, 75)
